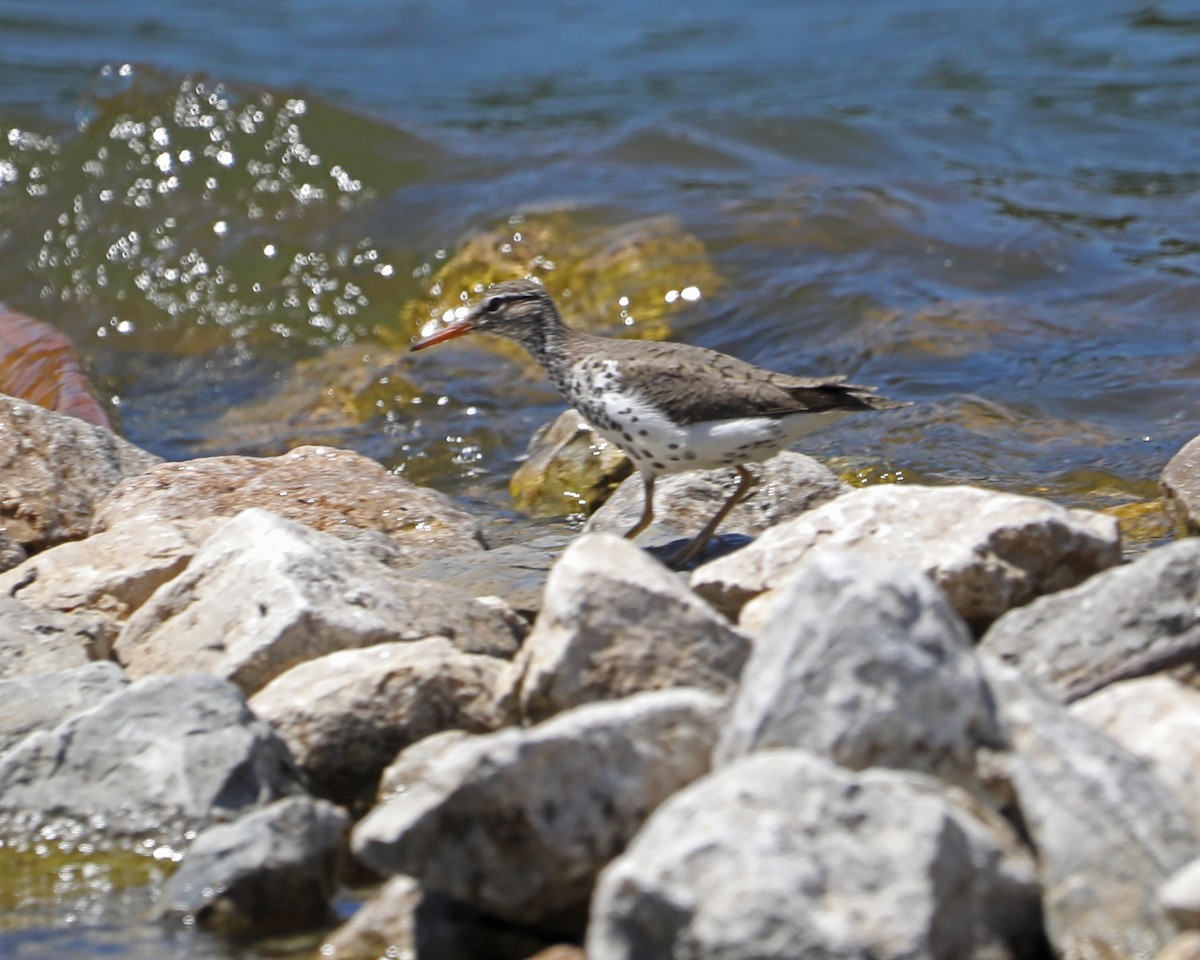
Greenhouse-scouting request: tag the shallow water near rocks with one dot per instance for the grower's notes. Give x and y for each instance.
(989, 211)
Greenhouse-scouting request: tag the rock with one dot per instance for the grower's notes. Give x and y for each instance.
(161, 753)
(271, 870)
(402, 920)
(789, 484)
(516, 573)
(1181, 484)
(346, 715)
(569, 469)
(783, 854)
(264, 594)
(866, 663)
(988, 551)
(41, 641)
(1157, 719)
(336, 491)
(1179, 897)
(1137, 619)
(42, 701)
(415, 763)
(1107, 832)
(615, 622)
(110, 573)
(518, 823)
(55, 469)
(11, 552)
(1186, 946)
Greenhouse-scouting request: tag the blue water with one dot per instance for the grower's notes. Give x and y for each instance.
(988, 209)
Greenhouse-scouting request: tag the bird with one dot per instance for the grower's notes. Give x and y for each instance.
(669, 406)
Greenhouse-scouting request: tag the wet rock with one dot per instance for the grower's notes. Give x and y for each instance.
(335, 491)
(516, 573)
(271, 870)
(345, 716)
(110, 573)
(866, 663)
(615, 622)
(54, 469)
(264, 594)
(40, 641)
(1181, 483)
(785, 854)
(569, 469)
(163, 750)
(988, 551)
(1158, 719)
(402, 920)
(43, 701)
(1180, 896)
(1107, 832)
(550, 805)
(789, 484)
(1137, 619)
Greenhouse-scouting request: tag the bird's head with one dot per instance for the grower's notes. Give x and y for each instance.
(520, 310)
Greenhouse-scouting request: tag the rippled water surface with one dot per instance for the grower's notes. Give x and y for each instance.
(242, 212)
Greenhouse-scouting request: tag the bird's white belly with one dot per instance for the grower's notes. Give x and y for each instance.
(656, 444)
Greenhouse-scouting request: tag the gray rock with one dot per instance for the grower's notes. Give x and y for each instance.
(864, 662)
(162, 753)
(616, 622)
(413, 764)
(1137, 619)
(110, 573)
(783, 854)
(1181, 483)
(339, 492)
(42, 701)
(346, 715)
(271, 870)
(1179, 897)
(41, 641)
(402, 920)
(1107, 831)
(264, 594)
(988, 551)
(1158, 719)
(516, 573)
(789, 484)
(518, 823)
(11, 552)
(54, 469)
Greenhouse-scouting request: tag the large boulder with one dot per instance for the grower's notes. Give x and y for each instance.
(44, 700)
(163, 754)
(615, 622)
(346, 715)
(783, 854)
(41, 641)
(864, 662)
(518, 823)
(264, 594)
(1140, 618)
(54, 470)
(988, 551)
(1107, 832)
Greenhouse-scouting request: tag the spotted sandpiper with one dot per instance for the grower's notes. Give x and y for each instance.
(670, 406)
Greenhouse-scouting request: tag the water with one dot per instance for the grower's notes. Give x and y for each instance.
(989, 210)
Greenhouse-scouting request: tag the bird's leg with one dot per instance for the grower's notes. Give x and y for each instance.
(696, 547)
(647, 508)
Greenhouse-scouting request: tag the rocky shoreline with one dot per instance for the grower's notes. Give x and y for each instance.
(902, 721)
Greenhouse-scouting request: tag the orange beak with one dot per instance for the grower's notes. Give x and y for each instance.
(459, 328)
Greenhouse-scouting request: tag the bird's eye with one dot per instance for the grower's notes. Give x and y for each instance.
(492, 305)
